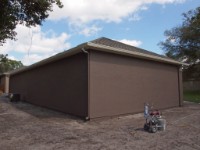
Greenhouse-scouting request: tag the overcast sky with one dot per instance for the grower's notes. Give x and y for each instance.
(136, 22)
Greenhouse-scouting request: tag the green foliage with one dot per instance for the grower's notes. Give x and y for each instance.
(8, 64)
(183, 42)
(192, 72)
(192, 96)
(28, 12)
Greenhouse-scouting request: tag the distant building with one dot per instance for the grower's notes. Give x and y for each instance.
(4, 83)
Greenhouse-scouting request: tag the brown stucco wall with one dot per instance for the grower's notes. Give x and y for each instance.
(121, 85)
(4, 83)
(61, 85)
(7, 79)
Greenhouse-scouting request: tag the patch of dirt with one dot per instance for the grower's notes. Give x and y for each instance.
(27, 127)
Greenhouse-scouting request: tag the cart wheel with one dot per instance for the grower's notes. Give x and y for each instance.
(153, 129)
(146, 127)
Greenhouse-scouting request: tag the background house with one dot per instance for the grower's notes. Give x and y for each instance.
(101, 78)
(4, 83)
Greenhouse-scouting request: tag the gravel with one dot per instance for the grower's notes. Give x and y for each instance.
(28, 127)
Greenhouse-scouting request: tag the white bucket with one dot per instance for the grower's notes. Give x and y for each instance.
(162, 124)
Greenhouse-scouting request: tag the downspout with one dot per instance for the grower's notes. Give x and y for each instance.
(83, 49)
(88, 87)
(180, 82)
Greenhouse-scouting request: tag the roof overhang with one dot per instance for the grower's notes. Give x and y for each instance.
(51, 59)
(98, 47)
(4, 74)
(132, 54)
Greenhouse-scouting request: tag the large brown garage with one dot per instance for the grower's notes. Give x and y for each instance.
(101, 78)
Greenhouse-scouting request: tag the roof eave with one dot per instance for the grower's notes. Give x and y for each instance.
(54, 58)
(132, 54)
(90, 45)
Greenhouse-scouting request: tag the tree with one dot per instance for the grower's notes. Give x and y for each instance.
(28, 12)
(8, 64)
(183, 42)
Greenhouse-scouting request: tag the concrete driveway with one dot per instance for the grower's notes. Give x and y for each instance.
(27, 127)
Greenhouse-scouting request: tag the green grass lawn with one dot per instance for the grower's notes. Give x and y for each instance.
(192, 96)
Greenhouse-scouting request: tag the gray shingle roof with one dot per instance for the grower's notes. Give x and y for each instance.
(116, 44)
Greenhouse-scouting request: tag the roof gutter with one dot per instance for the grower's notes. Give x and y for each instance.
(51, 59)
(89, 45)
(83, 49)
(133, 54)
